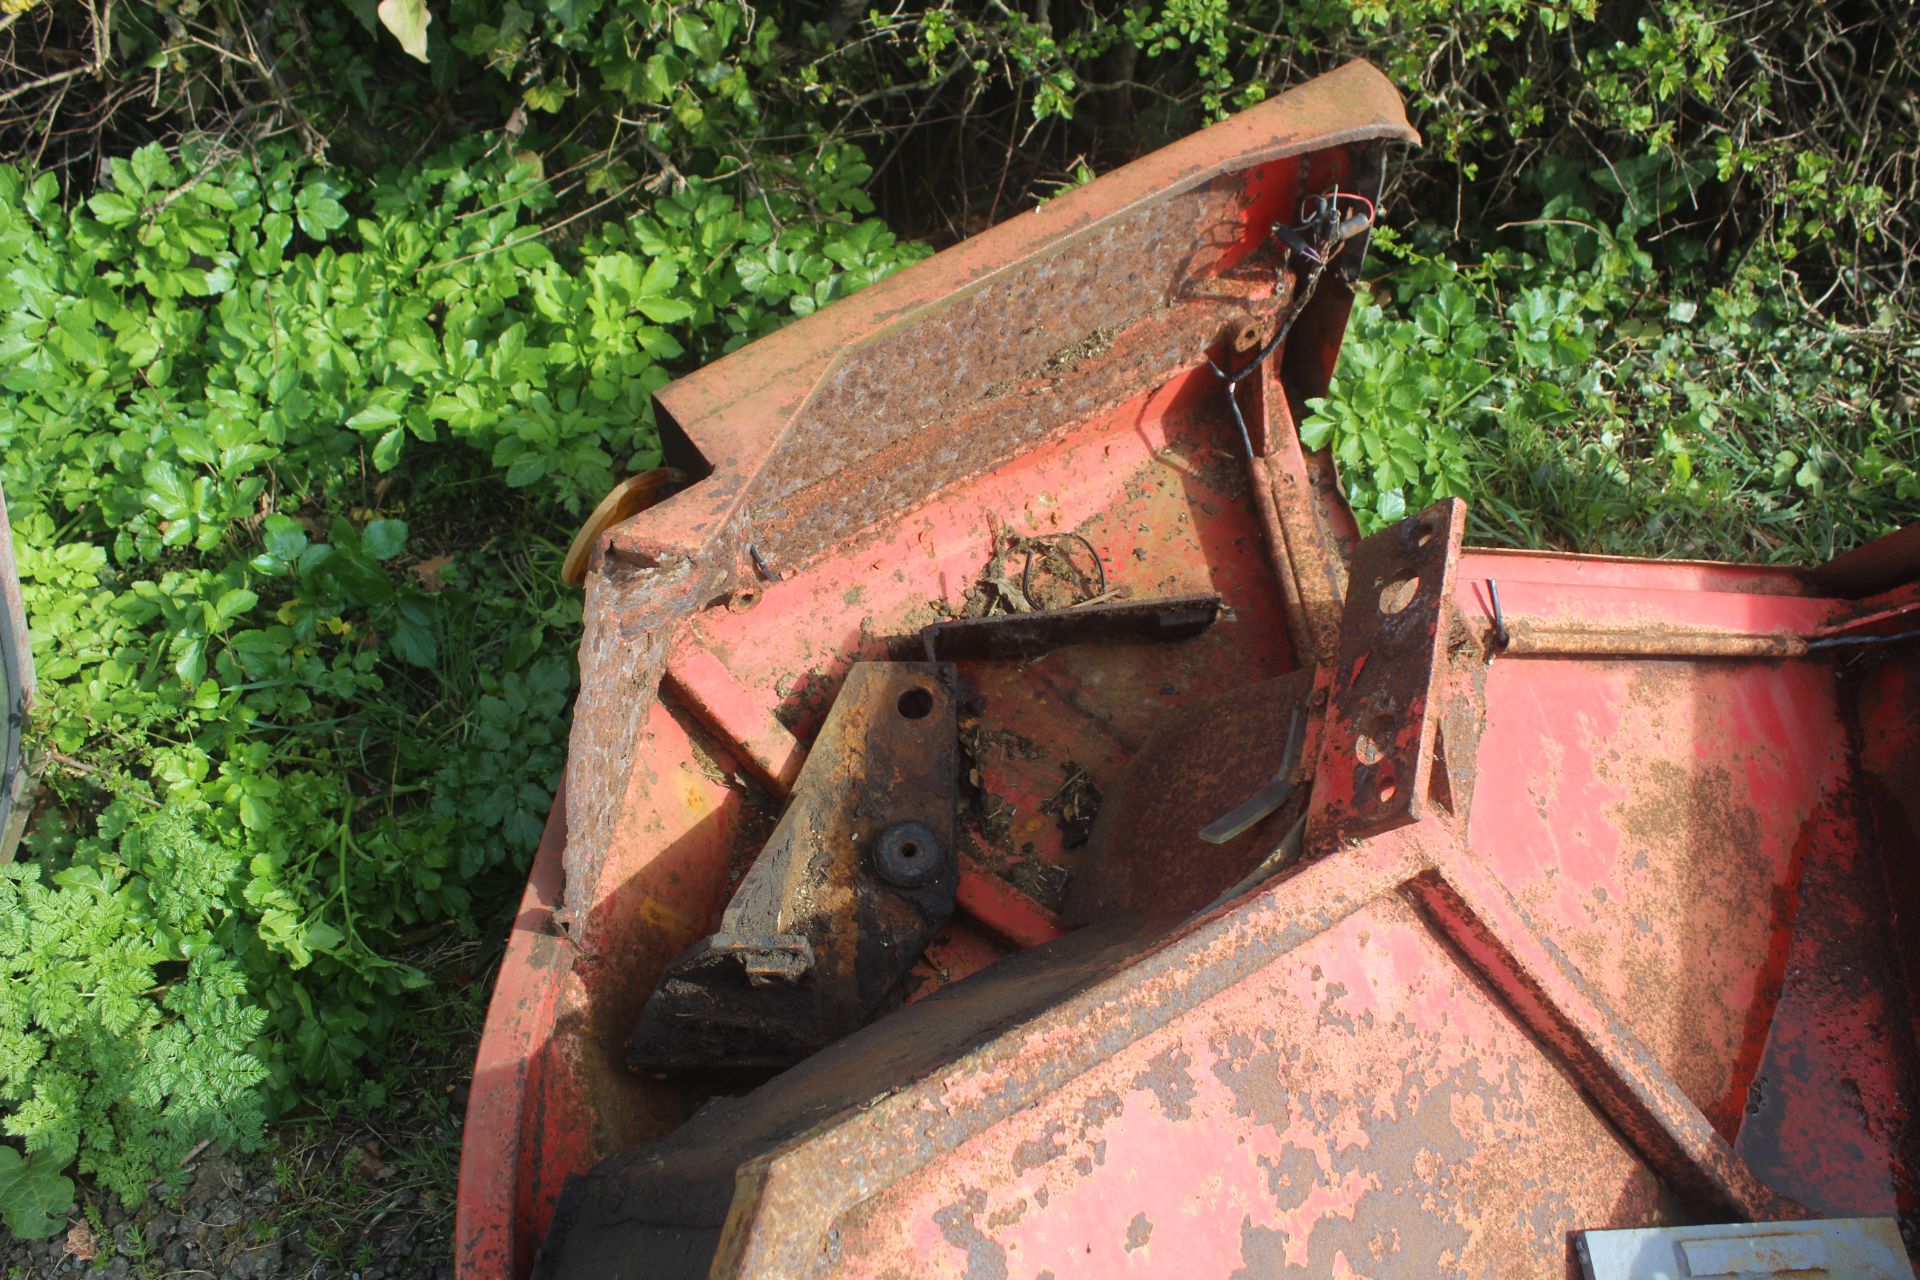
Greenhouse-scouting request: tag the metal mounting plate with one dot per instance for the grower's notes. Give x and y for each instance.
(854, 880)
(1376, 755)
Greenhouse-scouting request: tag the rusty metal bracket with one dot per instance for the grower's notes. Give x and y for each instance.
(1026, 635)
(1377, 746)
(856, 878)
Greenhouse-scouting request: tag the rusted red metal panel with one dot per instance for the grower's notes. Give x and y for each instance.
(652, 831)
(922, 381)
(1660, 1042)
(1220, 1143)
(512, 1160)
(1626, 1021)
(1603, 916)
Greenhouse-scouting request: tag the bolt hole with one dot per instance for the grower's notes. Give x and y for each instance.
(909, 850)
(1387, 791)
(1398, 594)
(1367, 750)
(916, 704)
(1426, 536)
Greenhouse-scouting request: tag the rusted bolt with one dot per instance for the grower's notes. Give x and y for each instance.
(743, 599)
(909, 855)
(1242, 334)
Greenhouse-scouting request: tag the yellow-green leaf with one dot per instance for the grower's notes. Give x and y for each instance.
(408, 20)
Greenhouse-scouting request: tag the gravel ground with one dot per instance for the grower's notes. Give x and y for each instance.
(233, 1222)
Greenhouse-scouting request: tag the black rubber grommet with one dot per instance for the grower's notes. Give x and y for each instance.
(909, 855)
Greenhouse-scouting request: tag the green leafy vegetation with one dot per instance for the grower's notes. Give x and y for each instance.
(321, 324)
(286, 733)
(1578, 402)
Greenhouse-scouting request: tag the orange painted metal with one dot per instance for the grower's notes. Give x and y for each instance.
(1603, 935)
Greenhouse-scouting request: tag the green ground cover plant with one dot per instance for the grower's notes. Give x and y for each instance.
(285, 732)
(321, 324)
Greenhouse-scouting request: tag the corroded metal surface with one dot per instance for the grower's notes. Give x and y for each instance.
(1199, 207)
(1643, 641)
(1188, 1081)
(852, 883)
(1649, 817)
(1639, 946)
(1299, 498)
(627, 499)
(506, 1191)
(1376, 753)
(1028, 635)
(1146, 852)
(1327, 1045)
(1829, 1114)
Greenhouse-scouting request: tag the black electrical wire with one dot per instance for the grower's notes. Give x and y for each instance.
(1861, 642)
(1321, 255)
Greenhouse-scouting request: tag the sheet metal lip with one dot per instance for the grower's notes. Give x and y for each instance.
(734, 393)
(1756, 579)
(736, 410)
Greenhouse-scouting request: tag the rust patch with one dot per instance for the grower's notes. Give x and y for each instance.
(1714, 866)
(1169, 1078)
(1528, 638)
(1389, 680)
(1074, 354)
(1146, 853)
(986, 1258)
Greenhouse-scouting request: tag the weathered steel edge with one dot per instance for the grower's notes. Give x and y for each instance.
(770, 380)
(500, 1143)
(1876, 566)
